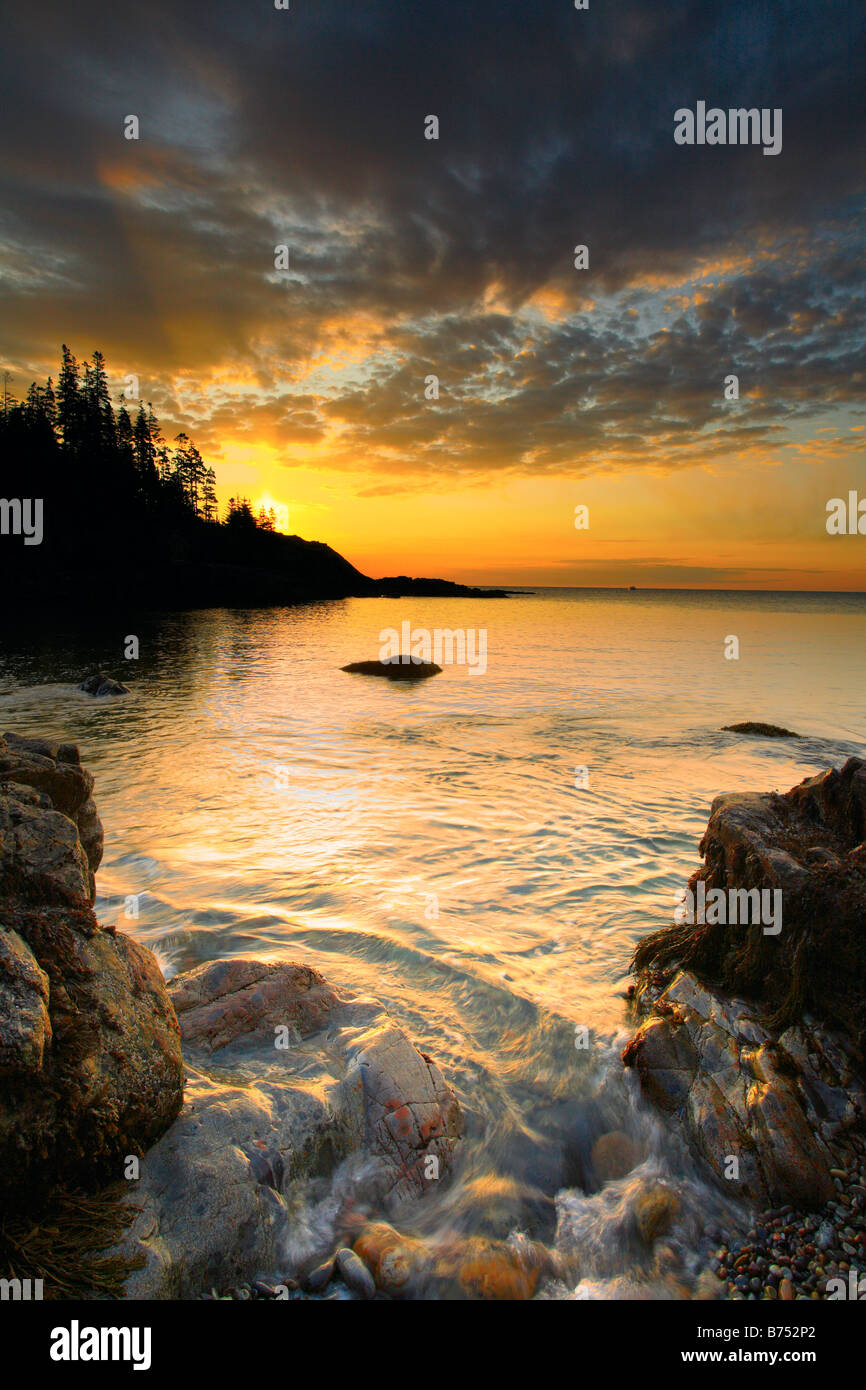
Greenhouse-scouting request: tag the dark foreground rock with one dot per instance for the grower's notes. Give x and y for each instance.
(755, 1040)
(90, 1060)
(395, 670)
(295, 1094)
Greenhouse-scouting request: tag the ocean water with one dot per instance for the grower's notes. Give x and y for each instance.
(479, 851)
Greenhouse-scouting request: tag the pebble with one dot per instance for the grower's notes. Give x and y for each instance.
(320, 1277)
(354, 1273)
(792, 1255)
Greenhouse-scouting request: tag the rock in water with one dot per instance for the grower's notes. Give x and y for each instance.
(397, 1262)
(395, 670)
(287, 1080)
(761, 730)
(739, 1038)
(99, 684)
(355, 1274)
(805, 851)
(90, 1061)
(613, 1155)
(655, 1209)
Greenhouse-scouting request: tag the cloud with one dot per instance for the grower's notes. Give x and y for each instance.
(453, 257)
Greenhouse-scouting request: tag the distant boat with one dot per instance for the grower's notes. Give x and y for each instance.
(631, 588)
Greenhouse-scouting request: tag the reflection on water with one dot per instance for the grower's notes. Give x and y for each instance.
(433, 845)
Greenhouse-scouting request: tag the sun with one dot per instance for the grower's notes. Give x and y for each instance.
(280, 510)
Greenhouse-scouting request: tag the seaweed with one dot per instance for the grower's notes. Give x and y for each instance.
(62, 1239)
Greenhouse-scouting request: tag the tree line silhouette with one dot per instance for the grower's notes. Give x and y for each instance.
(72, 441)
(130, 520)
(119, 498)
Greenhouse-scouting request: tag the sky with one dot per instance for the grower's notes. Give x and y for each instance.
(410, 258)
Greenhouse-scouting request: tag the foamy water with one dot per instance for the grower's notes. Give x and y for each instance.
(428, 843)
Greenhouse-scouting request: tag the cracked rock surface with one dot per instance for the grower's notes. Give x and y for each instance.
(754, 1041)
(90, 1061)
(289, 1086)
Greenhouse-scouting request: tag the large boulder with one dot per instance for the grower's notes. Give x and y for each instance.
(90, 1060)
(293, 1091)
(780, 1105)
(55, 769)
(808, 845)
(754, 1038)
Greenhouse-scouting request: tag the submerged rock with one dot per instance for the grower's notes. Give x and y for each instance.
(613, 1155)
(287, 1081)
(754, 1039)
(458, 1267)
(656, 1209)
(100, 685)
(354, 1273)
(395, 670)
(90, 1062)
(223, 1001)
(398, 1263)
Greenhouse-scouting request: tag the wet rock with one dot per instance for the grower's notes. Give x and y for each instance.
(25, 1025)
(319, 1278)
(354, 1273)
(735, 1097)
(753, 1039)
(222, 1001)
(61, 785)
(488, 1270)
(655, 1210)
(763, 843)
(90, 1061)
(395, 670)
(288, 1083)
(411, 1115)
(613, 1155)
(397, 1263)
(762, 730)
(100, 685)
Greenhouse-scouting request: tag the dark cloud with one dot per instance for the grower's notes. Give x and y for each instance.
(452, 257)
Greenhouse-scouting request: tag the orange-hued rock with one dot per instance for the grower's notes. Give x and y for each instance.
(395, 1261)
(613, 1155)
(482, 1269)
(90, 1057)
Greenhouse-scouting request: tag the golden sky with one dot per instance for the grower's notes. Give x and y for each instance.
(307, 385)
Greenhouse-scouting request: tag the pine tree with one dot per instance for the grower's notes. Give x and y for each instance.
(68, 401)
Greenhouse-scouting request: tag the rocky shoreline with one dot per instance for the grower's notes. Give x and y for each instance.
(213, 1102)
(255, 1133)
(750, 1036)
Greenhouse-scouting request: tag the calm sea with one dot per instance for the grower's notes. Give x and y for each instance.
(481, 852)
